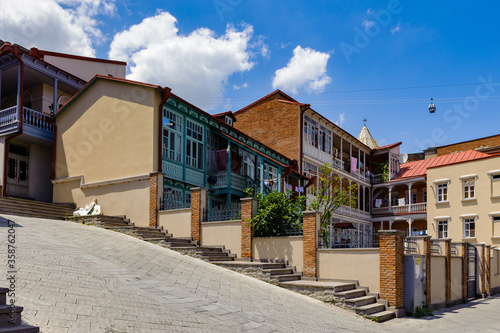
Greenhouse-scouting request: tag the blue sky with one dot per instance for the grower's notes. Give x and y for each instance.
(380, 60)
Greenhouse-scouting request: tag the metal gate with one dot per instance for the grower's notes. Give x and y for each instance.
(471, 271)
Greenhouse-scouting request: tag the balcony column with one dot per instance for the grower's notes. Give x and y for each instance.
(350, 195)
(381, 225)
(364, 165)
(350, 155)
(359, 161)
(0, 90)
(19, 92)
(410, 221)
(340, 155)
(54, 98)
(390, 224)
(390, 198)
(358, 207)
(408, 208)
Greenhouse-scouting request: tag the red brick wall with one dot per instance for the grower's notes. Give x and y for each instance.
(196, 214)
(392, 275)
(246, 227)
(310, 239)
(447, 272)
(154, 184)
(275, 124)
(469, 145)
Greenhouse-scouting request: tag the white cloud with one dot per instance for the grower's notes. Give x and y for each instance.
(396, 29)
(340, 120)
(244, 85)
(196, 66)
(57, 25)
(368, 24)
(306, 69)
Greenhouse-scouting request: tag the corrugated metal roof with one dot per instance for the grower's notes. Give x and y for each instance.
(419, 168)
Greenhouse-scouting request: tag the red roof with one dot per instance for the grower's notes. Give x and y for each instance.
(277, 91)
(392, 145)
(419, 168)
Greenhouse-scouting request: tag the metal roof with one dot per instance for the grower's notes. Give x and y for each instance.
(419, 168)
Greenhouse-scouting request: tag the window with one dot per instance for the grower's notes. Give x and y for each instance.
(469, 228)
(172, 134)
(442, 229)
(442, 192)
(424, 196)
(229, 120)
(495, 183)
(194, 145)
(496, 218)
(468, 188)
(325, 140)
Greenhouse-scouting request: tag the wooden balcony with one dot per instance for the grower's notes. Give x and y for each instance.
(35, 123)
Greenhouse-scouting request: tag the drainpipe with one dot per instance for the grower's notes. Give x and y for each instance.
(54, 135)
(15, 53)
(166, 93)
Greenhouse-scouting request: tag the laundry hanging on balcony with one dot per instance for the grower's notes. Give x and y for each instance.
(270, 182)
(401, 202)
(354, 164)
(378, 203)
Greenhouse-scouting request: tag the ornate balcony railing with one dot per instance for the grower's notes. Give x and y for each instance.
(37, 120)
(352, 212)
(411, 208)
(219, 215)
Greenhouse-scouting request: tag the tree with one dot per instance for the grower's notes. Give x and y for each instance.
(329, 195)
(277, 213)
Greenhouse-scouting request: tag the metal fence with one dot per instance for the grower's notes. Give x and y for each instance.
(348, 238)
(215, 215)
(410, 245)
(170, 202)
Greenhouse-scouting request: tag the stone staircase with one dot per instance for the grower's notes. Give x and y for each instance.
(266, 270)
(157, 235)
(346, 294)
(11, 321)
(30, 208)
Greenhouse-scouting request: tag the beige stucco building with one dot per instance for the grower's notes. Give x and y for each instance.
(463, 201)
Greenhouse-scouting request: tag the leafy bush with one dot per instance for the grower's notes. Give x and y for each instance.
(277, 214)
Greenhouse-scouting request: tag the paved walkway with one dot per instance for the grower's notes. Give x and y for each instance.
(77, 278)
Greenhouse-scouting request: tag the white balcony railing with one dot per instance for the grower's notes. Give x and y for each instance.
(317, 154)
(412, 208)
(352, 212)
(8, 116)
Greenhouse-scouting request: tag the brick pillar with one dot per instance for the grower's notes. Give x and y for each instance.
(427, 253)
(464, 270)
(155, 194)
(248, 210)
(198, 206)
(488, 270)
(447, 269)
(311, 224)
(392, 267)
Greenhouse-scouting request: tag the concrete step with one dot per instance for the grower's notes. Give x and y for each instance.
(150, 239)
(360, 301)
(287, 277)
(214, 254)
(209, 249)
(20, 329)
(370, 309)
(5, 315)
(348, 294)
(278, 271)
(3, 295)
(33, 203)
(267, 265)
(18, 212)
(36, 210)
(113, 227)
(219, 258)
(382, 316)
(181, 245)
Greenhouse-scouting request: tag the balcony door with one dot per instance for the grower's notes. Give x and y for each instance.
(18, 170)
